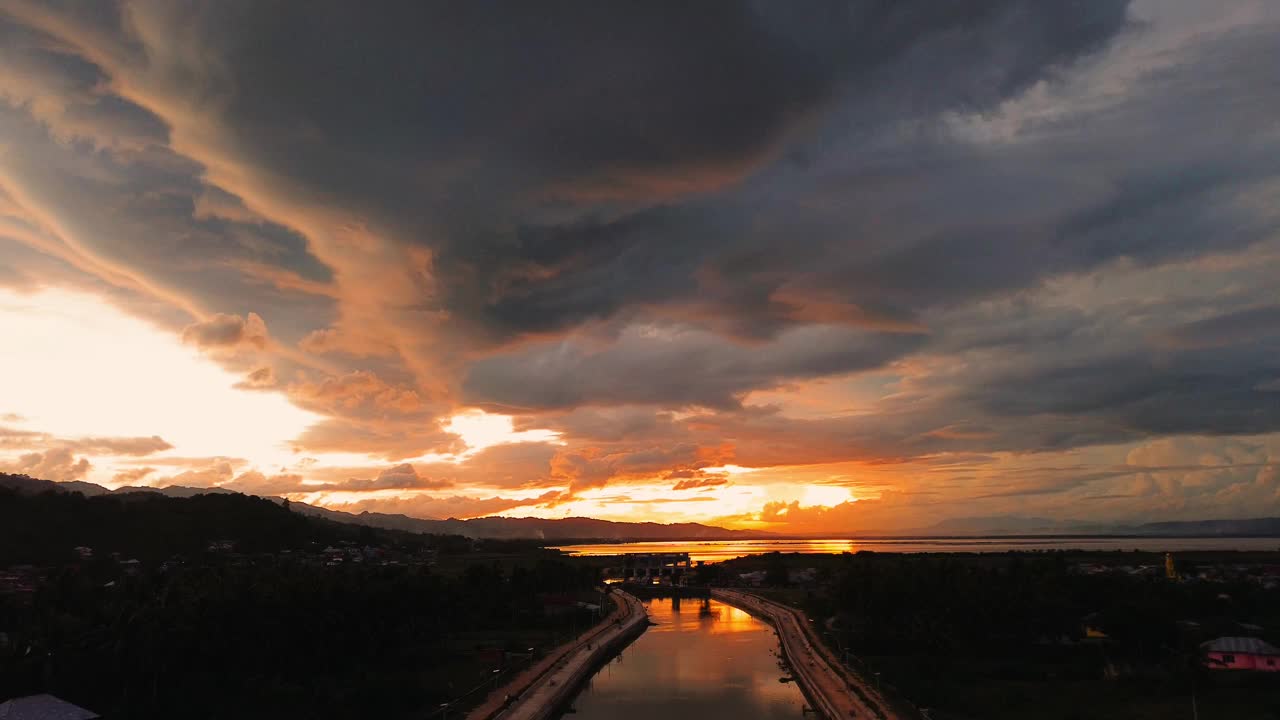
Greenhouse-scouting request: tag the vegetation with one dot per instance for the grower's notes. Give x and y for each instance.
(235, 609)
(1003, 636)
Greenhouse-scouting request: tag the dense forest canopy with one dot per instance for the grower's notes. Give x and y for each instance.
(227, 605)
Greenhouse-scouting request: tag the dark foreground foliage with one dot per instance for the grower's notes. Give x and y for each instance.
(236, 610)
(1007, 635)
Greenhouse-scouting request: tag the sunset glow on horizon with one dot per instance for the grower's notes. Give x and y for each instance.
(1017, 268)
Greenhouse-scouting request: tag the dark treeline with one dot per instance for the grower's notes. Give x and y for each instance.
(269, 629)
(46, 527)
(996, 636)
(954, 607)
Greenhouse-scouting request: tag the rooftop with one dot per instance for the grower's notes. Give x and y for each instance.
(1242, 645)
(43, 707)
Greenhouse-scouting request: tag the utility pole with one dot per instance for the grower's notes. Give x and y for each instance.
(1195, 711)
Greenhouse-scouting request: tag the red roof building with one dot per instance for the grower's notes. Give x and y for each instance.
(1241, 653)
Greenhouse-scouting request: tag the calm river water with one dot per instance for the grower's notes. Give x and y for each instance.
(716, 550)
(693, 665)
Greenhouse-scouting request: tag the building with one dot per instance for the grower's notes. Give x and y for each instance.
(666, 568)
(1241, 653)
(43, 707)
(802, 576)
(1091, 627)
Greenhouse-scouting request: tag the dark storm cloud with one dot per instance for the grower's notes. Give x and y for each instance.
(1257, 323)
(675, 366)
(600, 214)
(222, 331)
(129, 216)
(1201, 395)
(524, 143)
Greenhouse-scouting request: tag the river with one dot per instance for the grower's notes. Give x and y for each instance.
(693, 665)
(716, 550)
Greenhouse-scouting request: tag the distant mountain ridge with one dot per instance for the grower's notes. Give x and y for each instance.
(1018, 525)
(580, 528)
(486, 527)
(1263, 527)
(573, 528)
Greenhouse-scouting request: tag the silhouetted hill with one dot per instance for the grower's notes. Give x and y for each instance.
(28, 485)
(482, 528)
(1265, 527)
(44, 527)
(996, 525)
(536, 528)
(1019, 525)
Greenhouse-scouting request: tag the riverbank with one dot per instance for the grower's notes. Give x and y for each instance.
(537, 693)
(834, 690)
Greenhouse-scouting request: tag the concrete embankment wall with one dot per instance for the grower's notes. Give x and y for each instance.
(803, 673)
(544, 696)
(599, 656)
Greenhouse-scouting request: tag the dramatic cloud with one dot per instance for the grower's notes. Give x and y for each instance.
(263, 378)
(131, 477)
(120, 446)
(450, 506)
(833, 264)
(692, 482)
(1233, 328)
(256, 483)
(675, 367)
(214, 474)
(400, 477)
(15, 438)
(227, 331)
(58, 464)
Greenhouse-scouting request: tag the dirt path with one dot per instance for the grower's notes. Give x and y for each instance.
(837, 692)
(535, 693)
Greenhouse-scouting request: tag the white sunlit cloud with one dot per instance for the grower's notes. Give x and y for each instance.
(480, 430)
(74, 366)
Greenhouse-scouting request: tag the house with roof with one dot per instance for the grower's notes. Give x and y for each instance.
(1241, 653)
(43, 707)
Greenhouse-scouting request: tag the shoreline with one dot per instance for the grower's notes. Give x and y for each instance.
(832, 689)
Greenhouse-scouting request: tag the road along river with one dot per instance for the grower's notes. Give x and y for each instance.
(834, 689)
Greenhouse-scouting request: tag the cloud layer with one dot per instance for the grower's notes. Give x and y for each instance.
(905, 248)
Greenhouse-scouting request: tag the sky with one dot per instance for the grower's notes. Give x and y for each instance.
(822, 267)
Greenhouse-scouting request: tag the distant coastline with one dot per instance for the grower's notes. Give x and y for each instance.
(717, 550)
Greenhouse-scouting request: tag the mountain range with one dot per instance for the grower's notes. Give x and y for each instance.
(1019, 525)
(581, 528)
(573, 528)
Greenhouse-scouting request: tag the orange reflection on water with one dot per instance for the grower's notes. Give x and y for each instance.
(706, 616)
(717, 550)
(700, 660)
(733, 620)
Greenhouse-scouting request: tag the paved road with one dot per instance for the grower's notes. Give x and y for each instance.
(538, 691)
(837, 691)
